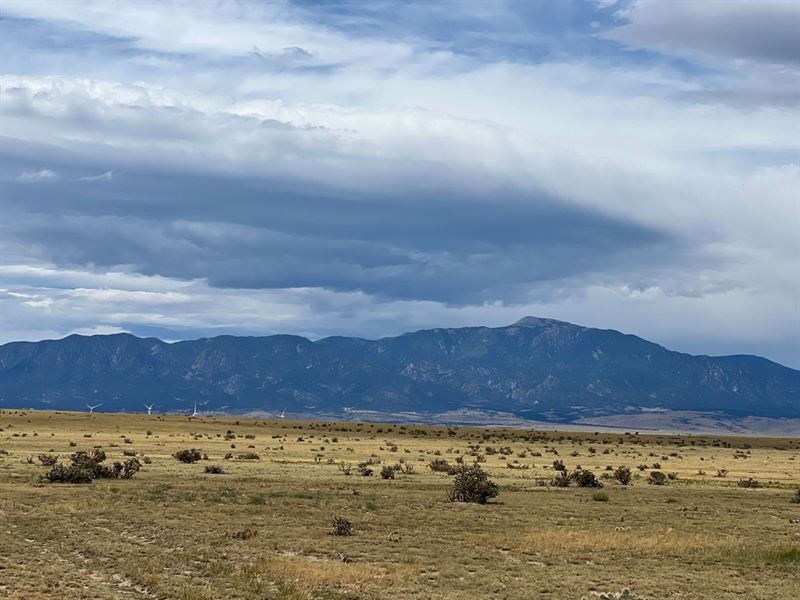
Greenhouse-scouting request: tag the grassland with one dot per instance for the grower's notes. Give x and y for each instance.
(263, 528)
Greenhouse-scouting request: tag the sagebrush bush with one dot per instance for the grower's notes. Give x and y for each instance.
(472, 484)
(623, 475)
(561, 480)
(48, 460)
(600, 497)
(796, 497)
(657, 478)
(341, 526)
(440, 465)
(243, 534)
(68, 474)
(214, 469)
(87, 466)
(748, 483)
(585, 478)
(387, 472)
(188, 456)
(129, 468)
(625, 594)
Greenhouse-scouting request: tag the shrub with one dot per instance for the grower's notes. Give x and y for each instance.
(387, 472)
(69, 474)
(244, 534)
(796, 497)
(657, 478)
(129, 468)
(188, 456)
(440, 465)
(87, 466)
(748, 483)
(585, 478)
(249, 456)
(623, 475)
(341, 526)
(129, 452)
(90, 461)
(561, 480)
(472, 484)
(600, 497)
(48, 460)
(558, 465)
(214, 469)
(625, 594)
(404, 468)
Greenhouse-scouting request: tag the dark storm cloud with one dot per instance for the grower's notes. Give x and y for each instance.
(439, 243)
(764, 31)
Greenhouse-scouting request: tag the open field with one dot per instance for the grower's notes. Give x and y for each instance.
(263, 528)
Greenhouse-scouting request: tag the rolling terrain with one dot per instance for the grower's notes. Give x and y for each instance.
(252, 518)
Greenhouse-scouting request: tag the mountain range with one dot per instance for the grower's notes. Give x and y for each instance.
(535, 369)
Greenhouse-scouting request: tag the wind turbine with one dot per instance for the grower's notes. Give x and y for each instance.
(91, 408)
(149, 408)
(194, 414)
(283, 414)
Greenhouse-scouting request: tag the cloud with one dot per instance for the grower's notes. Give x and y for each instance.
(752, 47)
(364, 169)
(107, 176)
(764, 31)
(40, 175)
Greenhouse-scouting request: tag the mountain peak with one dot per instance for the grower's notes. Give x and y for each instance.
(537, 322)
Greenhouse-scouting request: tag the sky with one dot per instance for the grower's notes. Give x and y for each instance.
(184, 170)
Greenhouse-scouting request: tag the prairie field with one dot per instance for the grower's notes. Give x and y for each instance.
(263, 527)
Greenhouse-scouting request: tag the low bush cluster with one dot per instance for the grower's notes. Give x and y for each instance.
(440, 465)
(623, 475)
(472, 484)
(48, 460)
(341, 526)
(188, 456)
(625, 594)
(580, 477)
(86, 466)
(748, 483)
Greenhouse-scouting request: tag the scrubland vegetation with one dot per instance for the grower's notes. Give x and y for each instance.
(135, 506)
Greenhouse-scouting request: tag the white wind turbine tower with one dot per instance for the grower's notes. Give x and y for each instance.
(283, 414)
(91, 408)
(149, 408)
(194, 414)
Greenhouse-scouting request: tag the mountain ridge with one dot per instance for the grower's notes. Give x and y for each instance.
(535, 368)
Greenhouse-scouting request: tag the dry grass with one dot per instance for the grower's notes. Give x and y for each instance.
(262, 529)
